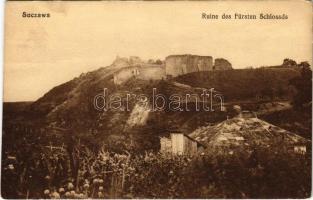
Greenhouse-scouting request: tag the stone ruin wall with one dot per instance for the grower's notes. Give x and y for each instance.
(143, 72)
(176, 65)
(121, 62)
(222, 64)
(125, 74)
(152, 72)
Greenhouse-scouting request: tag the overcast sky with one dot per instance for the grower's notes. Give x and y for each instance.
(41, 53)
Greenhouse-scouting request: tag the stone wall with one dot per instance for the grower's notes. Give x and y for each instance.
(121, 62)
(152, 72)
(143, 72)
(125, 74)
(222, 64)
(134, 60)
(176, 65)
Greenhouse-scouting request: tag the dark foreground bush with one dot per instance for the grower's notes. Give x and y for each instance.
(263, 174)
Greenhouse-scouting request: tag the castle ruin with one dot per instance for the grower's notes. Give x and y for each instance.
(222, 64)
(174, 65)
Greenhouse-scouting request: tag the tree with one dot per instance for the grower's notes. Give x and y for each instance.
(289, 62)
(303, 85)
(158, 62)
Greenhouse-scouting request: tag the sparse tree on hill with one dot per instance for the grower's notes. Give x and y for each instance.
(303, 85)
(289, 62)
(158, 62)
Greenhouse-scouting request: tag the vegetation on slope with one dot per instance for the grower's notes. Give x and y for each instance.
(245, 84)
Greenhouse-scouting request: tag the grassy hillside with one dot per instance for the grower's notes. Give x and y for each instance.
(15, 110)
(70, 105)
(242, 84)
(296, 121)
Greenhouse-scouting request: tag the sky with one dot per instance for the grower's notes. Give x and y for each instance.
(41, 53)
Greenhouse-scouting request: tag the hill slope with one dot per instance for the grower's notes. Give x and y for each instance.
(243, 84)
(70, 105)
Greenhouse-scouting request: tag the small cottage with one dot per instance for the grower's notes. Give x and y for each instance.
(180, 144)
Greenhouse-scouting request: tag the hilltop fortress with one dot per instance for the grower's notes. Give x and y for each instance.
(174, 65)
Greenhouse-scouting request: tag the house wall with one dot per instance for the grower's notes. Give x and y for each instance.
(190, 146)
(177, 143)
(166, 145)
(300, 149)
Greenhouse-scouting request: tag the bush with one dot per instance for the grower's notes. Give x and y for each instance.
(102, 174)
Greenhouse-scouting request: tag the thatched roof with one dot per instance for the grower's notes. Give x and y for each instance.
(239, 130)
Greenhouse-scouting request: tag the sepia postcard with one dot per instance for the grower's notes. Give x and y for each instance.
(157, 100)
